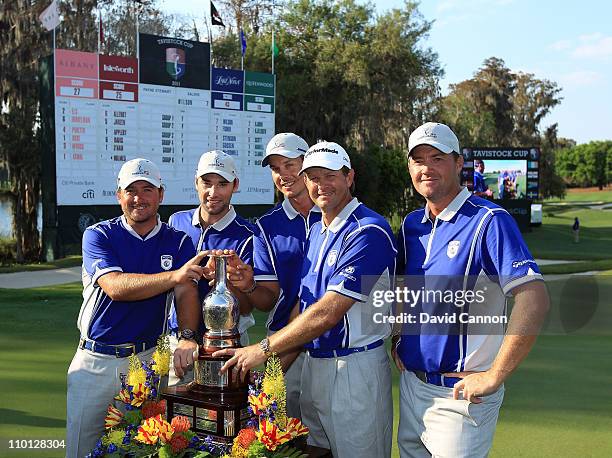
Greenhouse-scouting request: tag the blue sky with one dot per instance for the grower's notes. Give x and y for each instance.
(566, 41)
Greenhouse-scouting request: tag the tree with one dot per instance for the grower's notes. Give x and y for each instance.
(588, 164)
(551, 184)
(22, 43)
(498, 107)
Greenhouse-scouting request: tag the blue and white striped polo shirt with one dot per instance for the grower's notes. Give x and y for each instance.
(229, 233)
(278, 252)
(357, 243)
(113, 246)
(478, 242)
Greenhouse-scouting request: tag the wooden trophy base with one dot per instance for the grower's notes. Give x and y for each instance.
(220, 415)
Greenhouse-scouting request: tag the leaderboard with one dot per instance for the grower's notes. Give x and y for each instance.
(169, 106)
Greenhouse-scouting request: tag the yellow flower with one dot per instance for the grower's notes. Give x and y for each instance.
(161, 356)
(141, 394)
(274, 387)
(123, 396)
(136, 374)
(238, 451)
(271, 436)
(153, 429)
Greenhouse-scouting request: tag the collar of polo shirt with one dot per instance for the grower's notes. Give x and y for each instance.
(292, 212)
(219, 225)
(342, 217)
(151, 234)
(449, 212)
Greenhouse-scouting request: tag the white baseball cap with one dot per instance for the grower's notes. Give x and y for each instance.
(435, 134)
(217, 162)
(136, 170)
(287, 145)
(328, 155)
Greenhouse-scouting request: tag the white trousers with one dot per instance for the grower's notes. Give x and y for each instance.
(347, 405)
(93, 382)
(293, 381)
(432, 423)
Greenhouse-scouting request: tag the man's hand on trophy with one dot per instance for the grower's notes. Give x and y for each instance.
(191, 270)
(209, 272)
(240, 275)
(185, 354)
(242, 360)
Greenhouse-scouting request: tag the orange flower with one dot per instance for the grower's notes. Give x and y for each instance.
(259, 403)
(246, 436)
(113, 417)
(180, 424)
(271, 436)
(296, 428)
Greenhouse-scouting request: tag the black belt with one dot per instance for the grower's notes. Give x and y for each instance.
(317, 353)
(436, 378)
(120, 351)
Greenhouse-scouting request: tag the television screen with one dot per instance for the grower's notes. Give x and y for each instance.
(500, 179)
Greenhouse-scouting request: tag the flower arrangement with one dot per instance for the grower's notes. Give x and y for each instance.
(138, 427)
(271, 431)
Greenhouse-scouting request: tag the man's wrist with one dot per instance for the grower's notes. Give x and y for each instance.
(264, 345)
(251, 289)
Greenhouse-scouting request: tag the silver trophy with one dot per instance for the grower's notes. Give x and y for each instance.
(221, 312)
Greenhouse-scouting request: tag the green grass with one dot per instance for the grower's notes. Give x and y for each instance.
(555, 240)
(557, 403)
(69, 261)
(581, 196)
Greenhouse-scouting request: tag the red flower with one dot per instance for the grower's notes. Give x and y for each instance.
(246, 436)
(152, 408)
(178, 442)
(180, 424)
(271, 436)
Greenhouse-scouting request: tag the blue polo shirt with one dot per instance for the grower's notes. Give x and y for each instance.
(358, 243)
(278, 254)
(113, 246)
(479, 182)
(229, 233)
(474, 245)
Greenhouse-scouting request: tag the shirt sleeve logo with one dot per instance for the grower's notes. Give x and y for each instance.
(453, 248)
(166, 261)
(332, 257)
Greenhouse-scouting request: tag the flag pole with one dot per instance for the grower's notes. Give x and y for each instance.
(99, 27)
(272, 51)
(137, 30)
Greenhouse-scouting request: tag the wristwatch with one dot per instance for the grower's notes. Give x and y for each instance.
(187, 334)
(265, 347)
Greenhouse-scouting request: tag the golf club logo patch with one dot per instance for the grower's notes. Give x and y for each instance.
(332, 257)
(452, 248)
(166, 261)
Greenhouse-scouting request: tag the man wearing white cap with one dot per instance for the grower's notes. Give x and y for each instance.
(213, 225)
(279, 249)
(452, 373)
(346, 379)
(129, 267)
